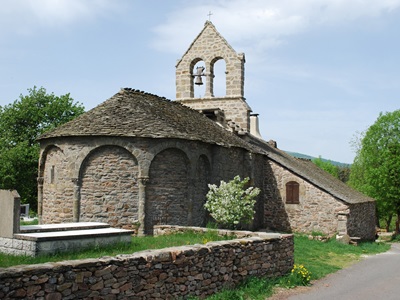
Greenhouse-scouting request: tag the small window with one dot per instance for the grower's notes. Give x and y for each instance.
(52, 175)
(292, 192)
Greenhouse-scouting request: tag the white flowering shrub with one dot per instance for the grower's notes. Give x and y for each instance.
(231, 203)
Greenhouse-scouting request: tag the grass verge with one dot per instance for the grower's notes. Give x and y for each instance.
(137, 244)
(319, 259)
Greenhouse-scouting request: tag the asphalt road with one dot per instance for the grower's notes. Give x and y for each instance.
(375, 277)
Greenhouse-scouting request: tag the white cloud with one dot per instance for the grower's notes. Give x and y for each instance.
(263, 23)
(23, 17)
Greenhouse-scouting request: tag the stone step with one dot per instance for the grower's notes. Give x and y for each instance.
(62, 227)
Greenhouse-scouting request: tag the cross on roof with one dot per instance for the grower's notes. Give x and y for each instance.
(209, 15)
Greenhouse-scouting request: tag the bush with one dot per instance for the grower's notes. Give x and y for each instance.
(231, 203)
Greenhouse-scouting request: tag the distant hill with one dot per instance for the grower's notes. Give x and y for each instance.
(299, 155)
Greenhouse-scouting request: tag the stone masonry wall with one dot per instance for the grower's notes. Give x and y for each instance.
(109, 191)
(170, 273)
(167, 190)
(317, 210)
(203, 177)
(17, 247)
(275, 215)
(360, 222)
(109, 178)
(235, 109)
(57, 185)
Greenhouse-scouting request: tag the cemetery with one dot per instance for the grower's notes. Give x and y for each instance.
(34, 240)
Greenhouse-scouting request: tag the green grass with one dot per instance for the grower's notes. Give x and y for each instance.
(325, 258)
(33, 222)
(253, 288)
(137, 244)
(318, 258)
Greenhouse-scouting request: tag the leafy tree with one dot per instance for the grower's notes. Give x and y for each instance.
(21, 123)
(232, 203)
(327, 166)
(344, 173)
(376, 167)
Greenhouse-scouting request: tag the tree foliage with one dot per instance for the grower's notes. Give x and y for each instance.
(376, 167)
(327, 166)
(21, 123)
(232, 203)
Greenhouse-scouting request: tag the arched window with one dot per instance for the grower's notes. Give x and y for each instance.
(292, 192)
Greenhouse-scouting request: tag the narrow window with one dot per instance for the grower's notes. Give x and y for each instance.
(292, 192)
(52, 174)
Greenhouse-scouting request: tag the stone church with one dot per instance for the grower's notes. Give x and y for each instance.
(138, 157)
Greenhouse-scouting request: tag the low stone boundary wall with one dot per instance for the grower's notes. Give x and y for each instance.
(169, 273)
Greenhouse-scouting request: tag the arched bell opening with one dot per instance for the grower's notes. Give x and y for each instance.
(218, 77)
(199, 80)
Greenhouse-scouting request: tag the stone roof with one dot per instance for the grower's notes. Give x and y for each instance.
(310, 172)
(133, 113)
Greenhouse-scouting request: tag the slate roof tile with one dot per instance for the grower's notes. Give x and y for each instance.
(311, 173)
(133, 113)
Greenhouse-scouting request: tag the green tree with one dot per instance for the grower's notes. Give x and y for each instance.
(344, 173)
(21, 123)
(376, 167)
(327, 166)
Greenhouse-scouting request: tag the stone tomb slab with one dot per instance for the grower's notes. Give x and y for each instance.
(63, 227)
(63, 239)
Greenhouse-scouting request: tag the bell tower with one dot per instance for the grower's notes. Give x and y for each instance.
(197, 66)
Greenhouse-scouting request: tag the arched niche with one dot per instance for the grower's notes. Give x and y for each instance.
(109, 187)
(167, 190)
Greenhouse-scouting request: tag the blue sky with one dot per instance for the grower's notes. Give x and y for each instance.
(317, 71)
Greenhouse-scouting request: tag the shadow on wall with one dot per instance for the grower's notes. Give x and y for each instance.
(275, 216)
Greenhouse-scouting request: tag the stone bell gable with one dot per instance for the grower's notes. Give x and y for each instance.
(209, 47)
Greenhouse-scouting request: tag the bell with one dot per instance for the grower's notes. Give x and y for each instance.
(198, 80)
(199, 73)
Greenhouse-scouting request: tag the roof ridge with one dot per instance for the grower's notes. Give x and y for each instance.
(135, 91)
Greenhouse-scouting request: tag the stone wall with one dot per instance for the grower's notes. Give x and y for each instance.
(120, 180)
(57, 186)
(317, 210)
(169, 273)
(109, 187)
(359, 221)
(167, 190)
(14, 246)
(235, 109)
(275, 215)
